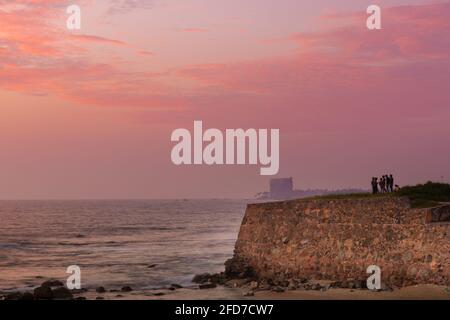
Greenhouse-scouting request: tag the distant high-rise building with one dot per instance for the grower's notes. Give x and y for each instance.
(281, 188)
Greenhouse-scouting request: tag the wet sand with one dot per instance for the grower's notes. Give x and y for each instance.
(419, 292)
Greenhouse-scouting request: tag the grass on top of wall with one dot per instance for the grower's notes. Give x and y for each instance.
(426, 195)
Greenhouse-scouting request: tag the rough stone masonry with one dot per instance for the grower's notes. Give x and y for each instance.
(337, 240)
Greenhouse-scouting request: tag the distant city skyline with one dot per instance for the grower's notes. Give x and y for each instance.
(89, 114)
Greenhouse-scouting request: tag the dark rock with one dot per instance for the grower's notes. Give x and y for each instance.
(62, 293)
(119, 296)
(254, 285)
(158, 294)
(208, 285)
(14, 296)
(303, 280)
(27, 296)
(152, 266)
(176, 286)
(292, 286)
(52, 283)
(307, 286)
(43, 293)
(278, 289)
(80, 298)
(201, 278)
(263, 286)
(282, 283)
(126, 289)
(360, 284)
(336, 284)
(100, 290)
(237, 268)
(218, 278)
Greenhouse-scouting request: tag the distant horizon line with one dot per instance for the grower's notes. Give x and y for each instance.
(123, 199)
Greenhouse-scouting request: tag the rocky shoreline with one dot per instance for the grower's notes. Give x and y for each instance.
(239, 280)
(218, 286)
(55, 289)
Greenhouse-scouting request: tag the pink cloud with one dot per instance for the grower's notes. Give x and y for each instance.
(330, 64)
(343, 77)
(96, 39)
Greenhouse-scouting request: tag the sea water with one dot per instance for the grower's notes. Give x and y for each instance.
(142, 243)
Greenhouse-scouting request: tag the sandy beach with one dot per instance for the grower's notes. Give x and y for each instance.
(419, 292)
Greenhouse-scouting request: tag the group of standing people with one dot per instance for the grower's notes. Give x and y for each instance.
(384, 184)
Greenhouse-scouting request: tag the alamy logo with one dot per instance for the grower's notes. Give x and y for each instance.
(374, 280)
(74, 280)
(74, 20)
(235, 152)
(374, 20)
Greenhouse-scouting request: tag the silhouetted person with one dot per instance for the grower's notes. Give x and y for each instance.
(391, 182)
(374, 186)
(382, 184)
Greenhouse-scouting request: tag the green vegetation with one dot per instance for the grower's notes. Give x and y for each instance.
(426, 195)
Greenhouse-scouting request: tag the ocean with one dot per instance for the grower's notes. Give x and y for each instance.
(146, 244)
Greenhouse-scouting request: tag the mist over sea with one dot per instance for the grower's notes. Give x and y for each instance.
(142, 243)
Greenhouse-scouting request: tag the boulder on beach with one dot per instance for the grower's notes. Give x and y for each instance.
(13, 296)
(43, 293)
(218, 278)
(27, 296)
(62, 293)
(207, 285)
(100, 290)
(201, 278)
(52, 283)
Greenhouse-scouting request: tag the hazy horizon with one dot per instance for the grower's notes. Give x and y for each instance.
(89, 114)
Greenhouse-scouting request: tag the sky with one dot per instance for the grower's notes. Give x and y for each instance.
(89, 113)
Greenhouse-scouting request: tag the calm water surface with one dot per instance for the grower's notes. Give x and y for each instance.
(115, 242)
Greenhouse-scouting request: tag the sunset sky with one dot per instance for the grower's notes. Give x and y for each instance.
(89, 113)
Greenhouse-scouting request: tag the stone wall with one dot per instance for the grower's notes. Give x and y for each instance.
(338, 239)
